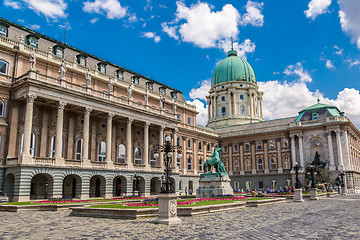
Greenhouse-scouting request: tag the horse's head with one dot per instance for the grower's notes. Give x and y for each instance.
(218, 149)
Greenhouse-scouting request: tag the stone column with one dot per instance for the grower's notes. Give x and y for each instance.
(279, 157)
(59, 160)
(301, 152)
(70, 142)
(266, 156)
(44, 133)
(293, 151)
(146, 145)
(242, 168)
(13, 134)
(235, 110)
(161, 142)
(331, 151)
(339, 148)
(129, 144)
(208, 108)
(230, 162)
(109, 163)
(261, 112)
(215, 107)
(86, 134)
(230, 105)
(175, 132)
(195, 157)
(253, 158)
(25, 155)
(184, 155)
(252, 110)
(346, 150)
(94, 143)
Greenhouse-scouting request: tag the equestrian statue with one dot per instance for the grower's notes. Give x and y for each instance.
(215, 161)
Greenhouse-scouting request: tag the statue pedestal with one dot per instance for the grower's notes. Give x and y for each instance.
(298, 195)
(342, 191)
(168, 209)
(313, 194)
(213, 184)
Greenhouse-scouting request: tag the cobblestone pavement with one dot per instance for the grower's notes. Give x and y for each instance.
(330, 218)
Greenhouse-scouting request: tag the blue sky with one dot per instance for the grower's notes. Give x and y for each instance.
(300, 50)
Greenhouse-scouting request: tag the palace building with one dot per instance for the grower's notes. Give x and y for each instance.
(75, 125)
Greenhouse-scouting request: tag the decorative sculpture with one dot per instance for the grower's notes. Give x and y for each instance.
(146, 96)
(62, 70)
(88, 78)
(110, 85)
(162, 101)
(32, 60)
(174, 106)
(215, 161)
(129, 91)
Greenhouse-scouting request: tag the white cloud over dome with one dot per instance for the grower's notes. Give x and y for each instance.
(298, 70)
(350, 19)
(253, 16)
(316, 8)
(111, 8)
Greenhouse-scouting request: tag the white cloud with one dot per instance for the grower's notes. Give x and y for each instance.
(350, 19)
(298, 70)
(94, 20)
(151, 35)
(202, 117)
(339, 50)
(353, 62)
(34, 27)
(49, 8)
(329, 64)
(253, 16)
(242, 48)
(112, 8)
(316, 8)
(133, 18)
(202, 91)
(13, 4)
(171, 31)
(204, 27)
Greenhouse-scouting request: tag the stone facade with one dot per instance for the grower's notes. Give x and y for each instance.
(75, 125)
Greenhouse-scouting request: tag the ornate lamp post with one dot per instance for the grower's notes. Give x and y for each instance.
(136, 184)
(167, 196)
(313, 191)
(342, 185)
(298, 190)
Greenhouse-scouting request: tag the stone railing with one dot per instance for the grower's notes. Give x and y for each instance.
(321, 121)
(98, 164)
(44, 161)
(73, 162)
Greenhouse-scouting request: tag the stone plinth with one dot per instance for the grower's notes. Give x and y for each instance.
(313, 194)
(213, 184)
(298, 195)
(342, 191)
(168, 209)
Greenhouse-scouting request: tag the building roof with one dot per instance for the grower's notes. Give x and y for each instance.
(233, 68)
(325, 109)
(254, 128)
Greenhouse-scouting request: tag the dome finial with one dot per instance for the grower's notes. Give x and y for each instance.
(232, 52)
(232, 44)
(318, 100)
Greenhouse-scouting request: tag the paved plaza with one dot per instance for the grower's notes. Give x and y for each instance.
(330, 218)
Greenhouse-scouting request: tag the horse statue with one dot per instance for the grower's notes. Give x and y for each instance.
(215, 161)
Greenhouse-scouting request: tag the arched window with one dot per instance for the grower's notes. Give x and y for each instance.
(260, 166)
(52, 146)
(273, 165)
(32, 143)
(138, 155)
(121, 156)
(78, 152)
(2, 108)
(189, 143)
(208, 148)
(189, 164)
(236, 166)
(200, 145)
(201, 165)
(248, 185)
(189, 121)
(285, 142)
(4, 66)
(247, 147)
(102, 151)
(286, 162)
(225, 149)
(242, 110)
(247, 165)
(235, 147)
(258, 145)
(223, 111)
(152, 158)
(178, 162)
(223, 99)
(261, 184)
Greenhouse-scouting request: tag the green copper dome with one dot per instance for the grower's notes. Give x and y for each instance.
(233, 68)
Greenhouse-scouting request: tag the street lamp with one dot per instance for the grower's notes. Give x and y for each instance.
(312, 172)
(297, 180)
(168, 150)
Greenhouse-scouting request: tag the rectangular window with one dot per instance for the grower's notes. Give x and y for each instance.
(241, 97)
(162, 91)
(261, 184)
(33, 42)
(173, 95)
(3, 30)
(150, 86)
(247, 147)
(189, 121)
(4, 67)
(120, 74)
(102, 67)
